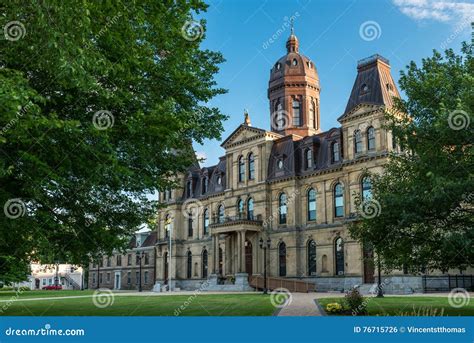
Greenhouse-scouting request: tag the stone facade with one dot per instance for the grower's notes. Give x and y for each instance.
(294, 185)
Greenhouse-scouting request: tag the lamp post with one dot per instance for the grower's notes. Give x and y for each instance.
(265, 246)
(379, 278)
(140, 255)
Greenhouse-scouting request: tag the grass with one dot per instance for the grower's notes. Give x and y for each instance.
(124, 305)
(395, 305)
(6, 295)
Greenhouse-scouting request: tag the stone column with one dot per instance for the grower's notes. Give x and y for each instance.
(242, 253)
(214, 243)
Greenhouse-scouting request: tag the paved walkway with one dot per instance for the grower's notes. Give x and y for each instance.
(302, 304)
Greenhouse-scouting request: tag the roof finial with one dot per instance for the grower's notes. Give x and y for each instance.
(292, 26)
(247, 118)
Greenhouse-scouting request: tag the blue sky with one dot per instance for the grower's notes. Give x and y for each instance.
(332, 34)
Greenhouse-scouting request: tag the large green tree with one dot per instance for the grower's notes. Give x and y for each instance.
(99, 101)
(424, 199)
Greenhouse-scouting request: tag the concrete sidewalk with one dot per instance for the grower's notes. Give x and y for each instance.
(302, 304)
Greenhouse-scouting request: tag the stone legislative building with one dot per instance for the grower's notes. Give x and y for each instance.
(292, 187)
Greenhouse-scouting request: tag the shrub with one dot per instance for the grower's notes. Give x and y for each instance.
(356, 302)
(24, 289)
(334, 308)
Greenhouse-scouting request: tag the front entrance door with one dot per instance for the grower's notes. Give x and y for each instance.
(248, 257)
(369, 268)
(117, 280)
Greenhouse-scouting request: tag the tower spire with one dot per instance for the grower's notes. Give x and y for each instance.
(292, 26)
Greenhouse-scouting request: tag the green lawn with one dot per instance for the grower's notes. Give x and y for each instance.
(167, 305)
(395, 305)
(6, 295)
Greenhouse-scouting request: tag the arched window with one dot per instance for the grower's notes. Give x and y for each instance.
(250, 209)
(311, 258)
(339, 249)
(206, 222)
(366, 188)
(282, 259)
(240, 209)
(371, 138)
(167, 225)
(357, 141)
(190, 223)
(205, 183)
(338, 200)
(251, 167)
(204, 264)
(189, 262)
(279, 120)
(221, 214)
(296, 113)
(241, 169)
(189, 185)
(335, 152)
(312, 119)
(311, 205)
(308, 158)
(282, 208)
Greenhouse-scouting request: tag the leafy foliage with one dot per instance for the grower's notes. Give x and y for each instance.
(85, 189)
(426, 192)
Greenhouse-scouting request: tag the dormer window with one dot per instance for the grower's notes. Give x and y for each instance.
(205, 183)
(364, 89)
(294, 62)
(310, 64)
(308, 158)
(189, 185)
(280, 163)
(335, 152)
(278, 66)
(219, 180)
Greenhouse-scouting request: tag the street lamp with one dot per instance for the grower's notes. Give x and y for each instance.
(265, 247)
(379, 278)
(140, 255)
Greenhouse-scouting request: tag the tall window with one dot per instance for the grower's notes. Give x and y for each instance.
(241, 169)
(189, 188)
(312, 119)
(308, 158)
(280, 120)
(119, 260)
(205, 183)
(335, 152)
(311, 204)
(204, 264)
(190, 224)
(366, 188)
(206, 222)
(147, 258)
(371, 138)
(250, 209)
(282, 208)
(240, 209)
(296, 113)
(129, 259)
(189, 262)
(251, 167)
(357, 141)
(282, 259)
(339, 249)
(311, 258)
(167, 225)
(338, 200)
(220, 212)
(168, 191)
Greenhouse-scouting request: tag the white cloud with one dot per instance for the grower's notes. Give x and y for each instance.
(438, 10)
